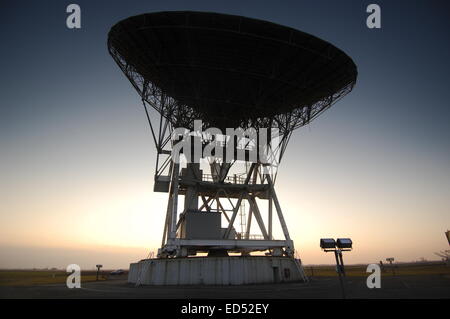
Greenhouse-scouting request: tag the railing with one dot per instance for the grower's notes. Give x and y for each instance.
(235, 179)
(254, 237)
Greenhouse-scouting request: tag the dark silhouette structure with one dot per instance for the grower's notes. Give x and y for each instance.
(229, 72)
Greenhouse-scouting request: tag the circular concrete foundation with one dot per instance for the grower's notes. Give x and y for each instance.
(232, 270)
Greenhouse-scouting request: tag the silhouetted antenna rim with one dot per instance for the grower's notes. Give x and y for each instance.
(229, 71)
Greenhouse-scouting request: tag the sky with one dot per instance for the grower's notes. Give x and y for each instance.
(77, 157)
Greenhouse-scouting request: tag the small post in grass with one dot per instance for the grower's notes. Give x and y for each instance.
(390, 260)
(98, 270)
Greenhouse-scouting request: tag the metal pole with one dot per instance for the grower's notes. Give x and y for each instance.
(167, 222)
(342, 263)
(278, 208)
(392, 267)
(258, 217)
(168, 210)
(270, 217)
(173, 226)
(233, 217)
(341, 281)
(249, 223)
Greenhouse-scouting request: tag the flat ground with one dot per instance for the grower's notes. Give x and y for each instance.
(409, 281)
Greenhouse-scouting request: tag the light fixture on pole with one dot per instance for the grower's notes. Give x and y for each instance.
(337, 246)
(98, 270)
(391, 260)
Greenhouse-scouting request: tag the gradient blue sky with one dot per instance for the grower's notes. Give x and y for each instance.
(77, 160)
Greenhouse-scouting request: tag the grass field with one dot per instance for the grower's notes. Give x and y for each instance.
(40, 277)
(44, 277)
(396, 269)
(415, 280)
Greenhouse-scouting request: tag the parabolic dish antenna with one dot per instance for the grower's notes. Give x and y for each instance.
(229, 72)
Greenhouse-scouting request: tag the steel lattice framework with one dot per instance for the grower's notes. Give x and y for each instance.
(229, 71)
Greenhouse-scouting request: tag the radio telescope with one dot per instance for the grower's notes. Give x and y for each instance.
(228, 72)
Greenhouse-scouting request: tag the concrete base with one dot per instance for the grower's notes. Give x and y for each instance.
(233, 270)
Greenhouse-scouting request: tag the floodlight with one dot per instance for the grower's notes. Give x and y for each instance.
(337, 246)
(327, 243)
(344, 243)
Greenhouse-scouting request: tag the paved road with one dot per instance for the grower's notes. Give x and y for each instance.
(433, 286)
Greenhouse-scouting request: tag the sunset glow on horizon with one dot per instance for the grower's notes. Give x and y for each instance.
(78, 158)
